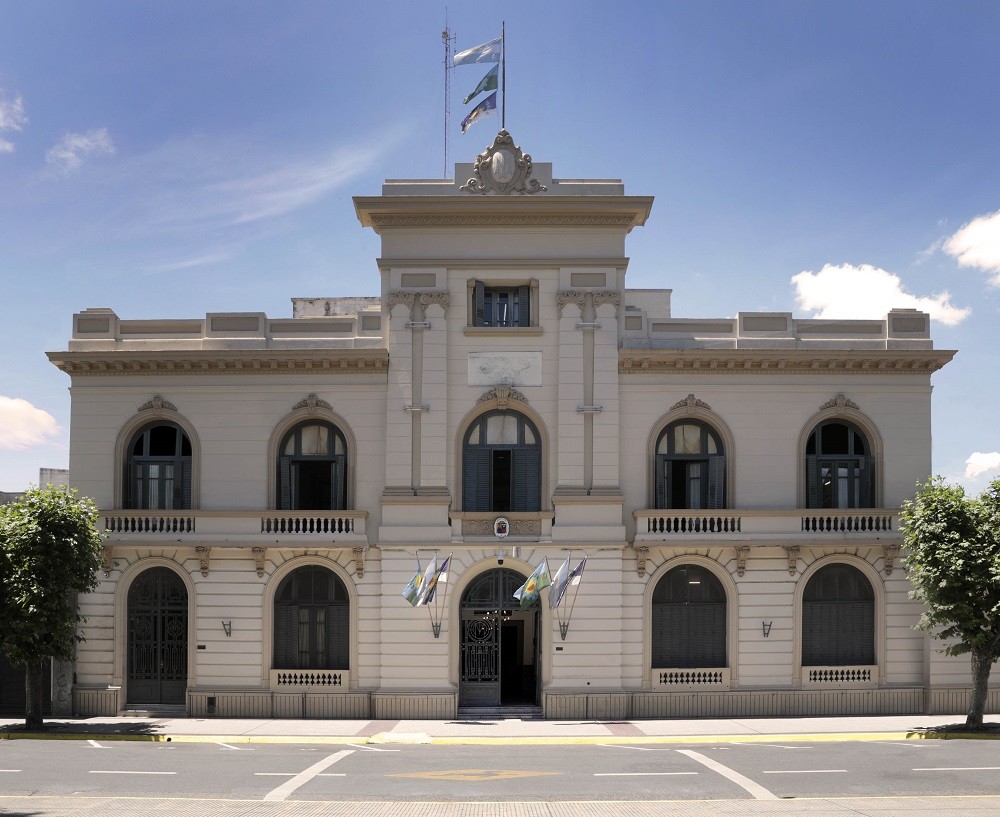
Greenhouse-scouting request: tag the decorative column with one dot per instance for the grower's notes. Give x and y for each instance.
(570, 477)
(432, 337)
(399, 396)
(605, 430)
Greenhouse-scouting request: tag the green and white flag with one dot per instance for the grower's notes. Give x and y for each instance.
(487, 83)
(527, 594)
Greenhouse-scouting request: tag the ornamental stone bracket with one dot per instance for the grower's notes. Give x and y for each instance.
(359, 562)
(259, 554)
(841, 403)
(571, 296)
(742, 554)
(503, 395)
(641, 555)
(608, 296)
(442, 299)
(691, 403)
(312, 403)
(203, 552)
(157, 405)
(792, 551)
(108, 562)
(889, 556)
(503, 169)
(396, 298)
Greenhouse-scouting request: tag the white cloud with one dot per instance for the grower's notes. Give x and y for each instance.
(12, 118)
(866, 292)
(979, 463)
(977, 244)
(75, 148)
(22, 425)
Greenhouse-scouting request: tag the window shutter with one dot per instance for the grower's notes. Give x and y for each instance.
(339, 483)
(337, 637)
(476, 478)
(527, 479)
(480, 305)
(523, 306)
(812, 482)
(285, 484)
(130, 480)
(286, 647)
(717, 481)
(182, 484)
(661, 481)
(867, 497)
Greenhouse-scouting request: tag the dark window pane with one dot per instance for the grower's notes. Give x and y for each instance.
(834, 438)
(162, 441)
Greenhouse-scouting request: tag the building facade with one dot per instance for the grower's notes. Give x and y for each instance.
(270, 485)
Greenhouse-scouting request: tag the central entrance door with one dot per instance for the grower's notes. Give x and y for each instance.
(499, 643)
(157, 638)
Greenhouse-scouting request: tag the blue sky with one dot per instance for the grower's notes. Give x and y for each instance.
(173, 159)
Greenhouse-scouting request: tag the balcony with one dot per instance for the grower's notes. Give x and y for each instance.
(777, 525)
(244, 528)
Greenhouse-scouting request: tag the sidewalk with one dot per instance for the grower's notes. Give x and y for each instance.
(492, 730)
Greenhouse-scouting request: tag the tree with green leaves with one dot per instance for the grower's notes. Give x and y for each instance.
(49, 552)
(953, 555)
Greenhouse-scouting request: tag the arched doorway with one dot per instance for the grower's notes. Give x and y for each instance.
(500, 650)
(157, 638)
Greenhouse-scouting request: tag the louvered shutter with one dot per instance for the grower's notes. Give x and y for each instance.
(337, 637)
(182, 485)
(285, 483)
(812, 482)
(662, 466)
(480, 304)
(476, 478)
(286, 646)
(660, 636)
(131, 477)
(339, 483)
(717, 481)
(527, 479)
(866, 499)
(523, 306)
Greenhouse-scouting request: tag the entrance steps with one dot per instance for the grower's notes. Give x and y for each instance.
(154, 711)
(478, 713)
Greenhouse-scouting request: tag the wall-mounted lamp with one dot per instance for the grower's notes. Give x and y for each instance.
(228, 627)
(765, 627)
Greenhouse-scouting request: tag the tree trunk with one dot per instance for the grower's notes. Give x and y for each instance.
(982, 662)
(33, 695)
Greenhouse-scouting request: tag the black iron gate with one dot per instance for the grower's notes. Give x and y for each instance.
(498, 667)
(157, 638)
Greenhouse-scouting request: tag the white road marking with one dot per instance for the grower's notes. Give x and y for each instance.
(757, 790)
(633, 748)
(304, 777)
(101, 771)
(292, 774)
(371, 748)
(920, 744)
(641, 774)
(96, 745)
(9, 771)
(960, 769)
(768, 745)
(235, 748)
(807, 771)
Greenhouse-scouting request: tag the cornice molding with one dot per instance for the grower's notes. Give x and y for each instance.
(553, 262)
(235, 362)
(789, 361)
(526, 220)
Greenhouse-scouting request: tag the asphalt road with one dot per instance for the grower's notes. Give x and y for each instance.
(276, 773)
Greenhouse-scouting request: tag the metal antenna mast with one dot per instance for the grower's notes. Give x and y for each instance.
(447, 37)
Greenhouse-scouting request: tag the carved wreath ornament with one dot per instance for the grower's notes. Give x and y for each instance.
(503, 169)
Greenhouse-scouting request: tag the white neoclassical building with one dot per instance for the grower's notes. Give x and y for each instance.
(270, 485)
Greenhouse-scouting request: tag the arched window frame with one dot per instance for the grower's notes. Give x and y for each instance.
(696, 636)
(146, 418)
(270, 592)
(705, 417)
(869, 431)
(476, 464)
(732, 613)
(304, 416)
(323, 629)
(291, 467)
(878, 588)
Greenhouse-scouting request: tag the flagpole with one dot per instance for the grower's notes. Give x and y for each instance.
(503, 72)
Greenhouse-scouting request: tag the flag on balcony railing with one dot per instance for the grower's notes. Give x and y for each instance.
(527, 594)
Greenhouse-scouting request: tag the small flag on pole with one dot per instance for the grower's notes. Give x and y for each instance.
(487, 52)
(487, 83)
(439, 577)
(527, 594)
(487, 107)
(559, 584)
(412, 590)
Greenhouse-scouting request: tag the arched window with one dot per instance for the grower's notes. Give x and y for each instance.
(311, 621)
(501, 464)
(838, 618)
(158, 469)
(689, 619)
(690, 467)
(838, 467)
(312, 468)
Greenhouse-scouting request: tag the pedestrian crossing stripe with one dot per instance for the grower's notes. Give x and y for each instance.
(474, 775)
